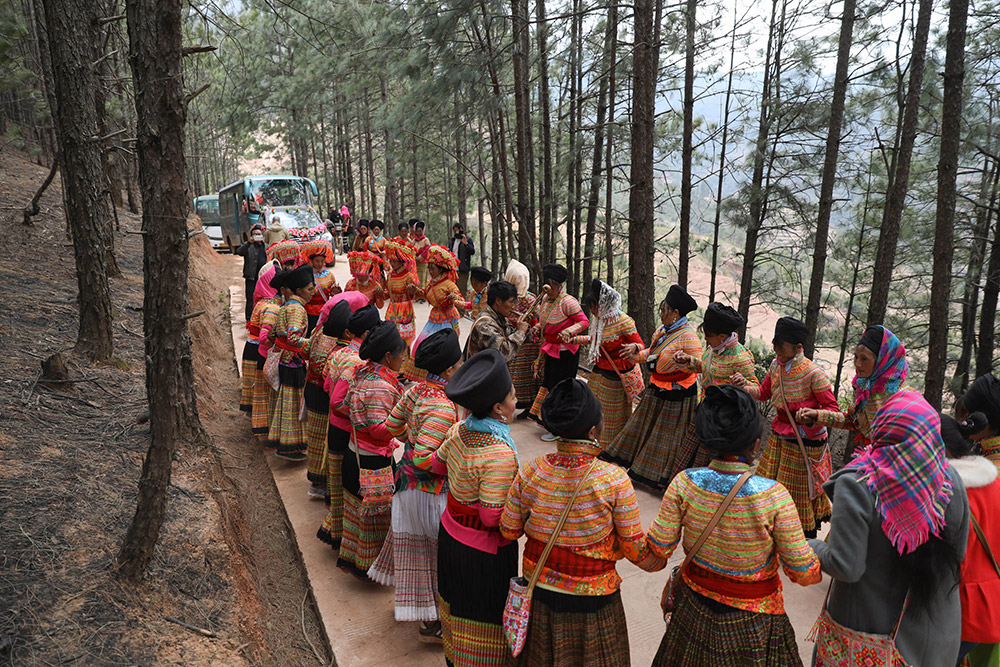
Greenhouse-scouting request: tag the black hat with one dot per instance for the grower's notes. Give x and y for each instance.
(727, 420)
(571, 409)
(363, 319)
(403, 225)
(438, 352)
(299, 278)
(377, 224)
(872, 338)
(721, 319)
(790, 330)
(418, 223)
(481, 273)
(278, 279)
(481, 382)
(678, 299)
(554, 272)
(383, 338)
(336, 319)
(984, 396)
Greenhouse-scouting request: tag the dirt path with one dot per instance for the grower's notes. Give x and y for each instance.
(359, 617)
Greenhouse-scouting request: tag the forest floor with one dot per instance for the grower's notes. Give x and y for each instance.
(70, 461)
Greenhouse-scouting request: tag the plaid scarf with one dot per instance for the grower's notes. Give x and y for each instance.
(904, 468)
(889, 373)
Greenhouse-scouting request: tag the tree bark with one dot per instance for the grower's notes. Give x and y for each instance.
(609, 176)
(829, 174)
(593, 198)
(988, 315)
(687, 149)
(722, 160)
(545, 196)
(641, 279)
(852, 295)
(154, 28)
(885, 256)
(88, 214)
(460, 182)
(522, 121)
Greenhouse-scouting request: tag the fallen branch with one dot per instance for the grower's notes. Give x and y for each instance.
(200, 631)
(33, 209)
(201, 48)
(191, 315)
(195, 93)
(302, 617)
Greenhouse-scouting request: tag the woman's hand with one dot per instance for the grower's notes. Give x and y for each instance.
(682, 358)
(737, 380)
(807, 416)
(630, 351)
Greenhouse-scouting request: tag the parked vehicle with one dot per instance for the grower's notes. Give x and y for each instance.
(259, 198)
(206, 207)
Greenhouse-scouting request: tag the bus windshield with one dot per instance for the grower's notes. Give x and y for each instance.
(281, 192)
(207, 209)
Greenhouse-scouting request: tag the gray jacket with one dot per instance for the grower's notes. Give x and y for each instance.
(869, 587)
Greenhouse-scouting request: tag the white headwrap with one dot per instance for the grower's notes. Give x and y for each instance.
(517, 274)
(609, 304)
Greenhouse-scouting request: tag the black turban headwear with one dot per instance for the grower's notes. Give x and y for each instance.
(278, 279)
(363, 319)
(721, 319)
(377, 224)
(438, 352)
(554, 272)
(481, 382)
(571, 409)
(790, 330)
(984, 396)
(727, 421)
(678, 299)
(299, 278)
(481, 273)
(872, 338)
(336, 319)
(382, 339)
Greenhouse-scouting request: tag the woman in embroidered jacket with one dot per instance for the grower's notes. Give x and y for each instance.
(475, 562)
(725, 355)
(795, 382)
(577, 617)
(560, 317)
(253, 363)
(728, 606)
(984, 396)
(286, 432)
(371, 395)
(442, 293)
(261, 324)
(522, 368)
(880, 367)
(318, 254)
(366, 272)
(316, 352)
(422, 418)
(340, 367)
(420, 244)
(604, 351)
(402, 287)
(897, 537)
(980, 588)
(654, 442)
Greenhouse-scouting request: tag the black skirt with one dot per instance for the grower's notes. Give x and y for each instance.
(251, 352)
(337, 440)
(474, 583)
(292, 376)
(316, 399)
(557, 370)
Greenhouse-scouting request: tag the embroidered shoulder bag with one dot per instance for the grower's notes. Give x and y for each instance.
(839, 646)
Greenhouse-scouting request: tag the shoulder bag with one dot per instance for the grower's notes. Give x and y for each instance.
(839, 646)
(817, 472)
(375, 486)
(517, 611)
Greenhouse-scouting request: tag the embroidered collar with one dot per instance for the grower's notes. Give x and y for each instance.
(567, 447)
(493, 427)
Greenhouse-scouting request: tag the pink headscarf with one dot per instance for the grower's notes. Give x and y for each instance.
(263, 290)
(344, 211)
(353, 298)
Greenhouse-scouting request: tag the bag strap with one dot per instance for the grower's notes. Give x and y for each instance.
(982, 540)
(555, 533)
(798, 438)
(465, 350)
(714, 521)
(621, 378)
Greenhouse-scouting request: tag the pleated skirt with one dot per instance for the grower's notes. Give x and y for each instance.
(317, 422)
(525, 383)
(363, 534)
(260, 413)
(332, 528)
(615, 405)
(249, 367)
(782, 461)
(287, 432)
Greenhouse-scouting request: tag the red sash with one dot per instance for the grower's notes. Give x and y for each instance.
(464, 515)
(723, 585)
(565, 561)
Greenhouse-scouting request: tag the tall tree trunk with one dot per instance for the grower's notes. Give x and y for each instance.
(595, 168)
(463, 194)
(944, 219)
(577, 183)
(854, 288)
(154, 28)
(88, 215)
(370, 159)
(687, 149)
(522, 117)
(988, 315)
(722, 159)
(391, 202)
(609, 176)
(885, 256)
(642, 277)
(545, 195)
(829, 174)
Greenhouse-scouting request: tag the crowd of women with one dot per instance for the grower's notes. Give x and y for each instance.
(912, 515)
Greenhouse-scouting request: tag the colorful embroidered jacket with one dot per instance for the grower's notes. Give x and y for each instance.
(400, 302)
(443, 295)
(738, 564)
(422, 419)
(371, 394)
(602, 527)
(480, 469)
(325, 284)
(618, 331)
(265, 314)
(717, 367)
(290, 330)
(317, 353)
(478, 304)
(666, 373)
(558, 314)
(991, 450)
(804, 385)
(340, 366)
(862, 423)
(420, 246)
(372, 289)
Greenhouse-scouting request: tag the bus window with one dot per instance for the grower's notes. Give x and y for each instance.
(281, 192)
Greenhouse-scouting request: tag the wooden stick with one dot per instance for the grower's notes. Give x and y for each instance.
(200, 631)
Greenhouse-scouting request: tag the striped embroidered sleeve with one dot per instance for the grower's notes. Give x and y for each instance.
(296, 325)
(664, 533)
(797, 558)
(763, 391)
(514, 514)
(745, 366)
(822, 389)
(496, 472)
(836, 419)
(435, 416)
(399, 417)
(628, 526)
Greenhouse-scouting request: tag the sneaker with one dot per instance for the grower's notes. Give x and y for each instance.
(549, 437)
(430, 632)
(297, 457)
(316, 492)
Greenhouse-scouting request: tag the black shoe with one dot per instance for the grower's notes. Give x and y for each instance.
(296, 457)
